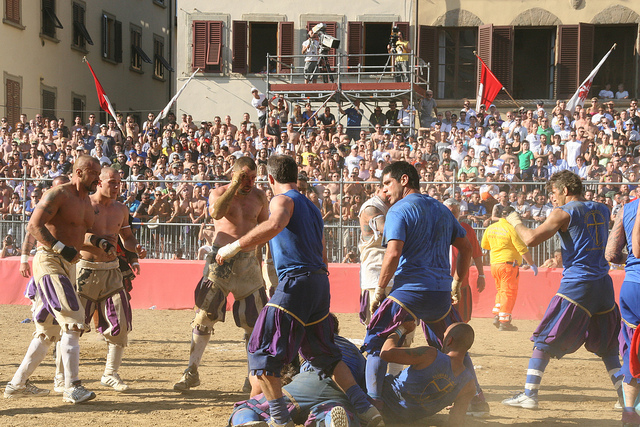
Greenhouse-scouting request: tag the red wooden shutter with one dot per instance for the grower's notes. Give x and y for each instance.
(13, 101)
(567, 64)
(285, 46)
(239, 46)
(585, 51)
(214, 43)
(199, 45)
(354, 43)
(485, 45)
(13, 11)
(502, 56)
(428, 51)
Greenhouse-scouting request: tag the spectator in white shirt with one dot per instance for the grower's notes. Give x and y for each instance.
(621, 93)
(606, 93)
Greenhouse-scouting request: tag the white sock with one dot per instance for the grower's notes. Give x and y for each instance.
(35, 355)
(198, 345)
(59, 366)
(114, 358)
(70, 353)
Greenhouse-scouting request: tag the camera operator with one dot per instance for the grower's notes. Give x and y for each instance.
(400, 46)
(311, 48)
(8, 248)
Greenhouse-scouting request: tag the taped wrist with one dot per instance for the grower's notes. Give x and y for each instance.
(67, 252)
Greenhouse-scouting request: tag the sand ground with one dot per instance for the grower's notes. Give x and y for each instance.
(575, 391)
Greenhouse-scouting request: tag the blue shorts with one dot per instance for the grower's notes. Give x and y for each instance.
(296, 319)
(630, 312)
(593, 320)
(397, 309)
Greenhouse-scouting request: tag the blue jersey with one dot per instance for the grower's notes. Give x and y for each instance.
(428, 229)
(299, 245)
(354, 118)
(416, 394)
(632, 267)
(584, 241)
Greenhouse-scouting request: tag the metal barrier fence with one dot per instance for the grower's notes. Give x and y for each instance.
(164, 240)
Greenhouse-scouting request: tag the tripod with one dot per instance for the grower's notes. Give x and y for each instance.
(325, 67)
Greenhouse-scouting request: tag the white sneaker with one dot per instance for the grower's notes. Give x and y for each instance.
(114, 381)
(27, 390)
(338, 417)
(77, 394)
(58, 383)
(521, 400)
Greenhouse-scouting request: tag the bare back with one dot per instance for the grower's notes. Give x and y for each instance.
(244, 213)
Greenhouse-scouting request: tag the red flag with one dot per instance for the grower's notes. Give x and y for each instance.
(105, 104)
(489, 87)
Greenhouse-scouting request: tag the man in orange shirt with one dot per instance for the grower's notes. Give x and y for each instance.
(507, 252)
(464, 303)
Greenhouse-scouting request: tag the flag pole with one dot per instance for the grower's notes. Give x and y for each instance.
(503, 88)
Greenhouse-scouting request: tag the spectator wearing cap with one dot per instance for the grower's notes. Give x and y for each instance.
(353, 159)
(260, 103)
(478, 145)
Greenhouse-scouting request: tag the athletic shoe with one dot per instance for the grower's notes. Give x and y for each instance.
(521, 400)
(77, 394)
(246, 388)
(337, 417)
(496, 321)
(478, 409)
(371, 417)
(253, 424)
(189, 379)
(27, 390)
(507, 326)
(58, 383)
(114, 381)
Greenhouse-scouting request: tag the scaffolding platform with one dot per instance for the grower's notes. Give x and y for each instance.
(366, 92)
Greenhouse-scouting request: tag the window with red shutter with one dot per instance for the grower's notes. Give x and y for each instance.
(12, 11)
(12, 90)
(239, 46)
(285, 47)
(354, 43)
(207, 46)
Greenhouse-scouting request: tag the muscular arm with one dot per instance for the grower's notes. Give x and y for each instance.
(557, 219)
(42, 214)
(390, 262)
(480, 284)
(418, 357)
(464, 257)
(28, 244)
(222, 203)
(617, 241)
(365, 219)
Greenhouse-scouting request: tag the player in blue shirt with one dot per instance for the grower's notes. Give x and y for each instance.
(418, 233)
(297, 315)
(584, 310)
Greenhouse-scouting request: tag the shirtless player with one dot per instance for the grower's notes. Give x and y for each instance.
(236, 208)
(59, 223)
(99, 279)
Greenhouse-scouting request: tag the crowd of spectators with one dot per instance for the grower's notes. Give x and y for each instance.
(485, 159)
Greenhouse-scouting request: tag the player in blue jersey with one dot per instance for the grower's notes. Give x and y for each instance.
(418, 234)
(434, 379)
(584, 310)
(626, 233)
(297, 316)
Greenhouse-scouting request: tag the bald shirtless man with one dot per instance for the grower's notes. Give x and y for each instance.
(236, 208)
(99, 279)
(59, 223)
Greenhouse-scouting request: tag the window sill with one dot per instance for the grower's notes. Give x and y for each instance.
(136, 70)
(160, 79)
(109, 60)
(51, 39)
(82, 50)
(13, 24)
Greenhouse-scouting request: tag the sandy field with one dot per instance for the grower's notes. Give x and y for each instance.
(576, 390)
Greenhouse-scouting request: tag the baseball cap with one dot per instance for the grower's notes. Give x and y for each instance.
(254, 89)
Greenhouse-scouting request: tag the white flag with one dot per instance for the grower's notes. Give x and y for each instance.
(165, 110)
(582, 92)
